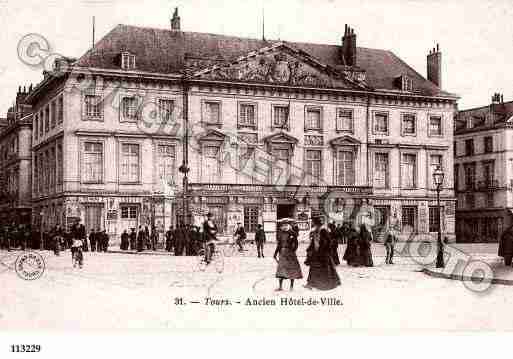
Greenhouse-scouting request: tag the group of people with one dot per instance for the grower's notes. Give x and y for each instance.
(322, 253)
(182, 240)
(321, 256)
(16, 236)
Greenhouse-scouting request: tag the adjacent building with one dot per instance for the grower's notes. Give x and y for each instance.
(483, 167)
(15, 162)
(275, 129)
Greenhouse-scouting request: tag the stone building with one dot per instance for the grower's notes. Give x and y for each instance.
(15, 162)
(483, 166)
(276, 129)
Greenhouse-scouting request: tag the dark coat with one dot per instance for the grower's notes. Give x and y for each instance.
(506, 243)
(133, 240)
(364, 245)
(323, 274)
(288, 264)
(351, 255)
(334, 238)
(260, 236)
(124, 241)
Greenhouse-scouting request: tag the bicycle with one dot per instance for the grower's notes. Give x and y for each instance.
(217, 258)
(232, 247)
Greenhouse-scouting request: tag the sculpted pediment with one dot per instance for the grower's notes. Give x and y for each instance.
(344, 141)
(280, 64)
(281, 137)
(212, 135)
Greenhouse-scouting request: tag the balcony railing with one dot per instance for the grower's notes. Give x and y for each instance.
(488, 184)
(266, 188)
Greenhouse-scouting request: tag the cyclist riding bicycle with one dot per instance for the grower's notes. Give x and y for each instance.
(210, 236)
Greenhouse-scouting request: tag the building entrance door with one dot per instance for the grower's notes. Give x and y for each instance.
(285, 211)
(93, 217)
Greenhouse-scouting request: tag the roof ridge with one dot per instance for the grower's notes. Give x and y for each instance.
(485, 106)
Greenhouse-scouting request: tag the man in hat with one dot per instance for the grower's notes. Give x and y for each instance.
(210, 232)
(260, 240)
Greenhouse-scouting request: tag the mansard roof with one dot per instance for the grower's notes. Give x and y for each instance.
(177, 52)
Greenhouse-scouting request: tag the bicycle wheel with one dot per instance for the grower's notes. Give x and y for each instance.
(218, 259)
(201, 262)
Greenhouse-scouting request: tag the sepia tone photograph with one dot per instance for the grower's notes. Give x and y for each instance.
(256, 165)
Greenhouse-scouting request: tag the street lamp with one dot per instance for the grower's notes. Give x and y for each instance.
(438, 180)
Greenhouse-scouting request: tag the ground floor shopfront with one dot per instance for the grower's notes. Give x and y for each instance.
(250, 205)
(12, 214)
(412, 218)
(113, 212)
(481, 225)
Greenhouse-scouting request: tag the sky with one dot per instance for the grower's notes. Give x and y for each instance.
(475, 37)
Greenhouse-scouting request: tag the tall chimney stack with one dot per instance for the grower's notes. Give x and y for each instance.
(434, 66)
(175, 21)
(349, 47)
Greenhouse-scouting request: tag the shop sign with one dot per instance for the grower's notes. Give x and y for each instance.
(217, 200)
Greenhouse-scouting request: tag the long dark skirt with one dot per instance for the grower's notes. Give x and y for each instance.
(351, 254)
(288, 266)
(366, 257)
(323, 275)
(334, 254)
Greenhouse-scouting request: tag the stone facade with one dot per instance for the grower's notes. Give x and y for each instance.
(484, 166)
(273, 131)
(15, 163)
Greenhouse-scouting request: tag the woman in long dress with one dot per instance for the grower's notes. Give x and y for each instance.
(322, 275)
(351, 254)
(285, 255)
(364, 245)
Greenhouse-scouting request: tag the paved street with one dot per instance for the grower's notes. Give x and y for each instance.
(138, 291)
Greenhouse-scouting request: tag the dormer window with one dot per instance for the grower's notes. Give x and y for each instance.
(404, 83)
(127, 61)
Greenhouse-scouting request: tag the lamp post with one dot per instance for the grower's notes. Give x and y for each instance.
(438, 180)
(41, 214)
(184, 168)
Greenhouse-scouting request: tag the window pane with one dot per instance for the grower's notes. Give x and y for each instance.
(409, 217)
(435, 125)
(313, 120)
(247, 115)
(408, 169)
(344, 120)
(212, 112)
(381, 170)
(250, 218)
(313, 165)
(129, 105)
(280, 118)
(381, 123)
(408, 124)
(93, 162)
(345, 168)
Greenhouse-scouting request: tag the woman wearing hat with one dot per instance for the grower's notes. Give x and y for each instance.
(323, 274)
(285, 255)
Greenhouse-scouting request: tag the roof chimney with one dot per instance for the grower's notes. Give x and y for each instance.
(497, 98)
(175, 21)
(434, 66)
(349, 47)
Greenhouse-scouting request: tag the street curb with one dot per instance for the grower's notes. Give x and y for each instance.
(463, 278)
